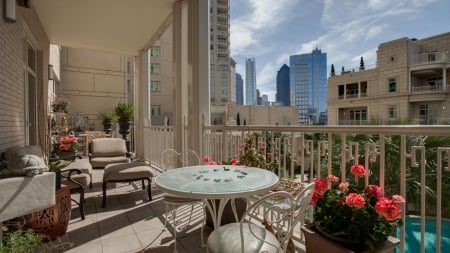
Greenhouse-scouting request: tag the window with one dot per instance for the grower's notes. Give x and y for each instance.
(156, 110)
(423, 111)
(155, 68)
(392, 112)
(155, 51)
(358, 116)
(212, 67)
(392, 85)
(155, 86)
(223, 67)
(223, 75)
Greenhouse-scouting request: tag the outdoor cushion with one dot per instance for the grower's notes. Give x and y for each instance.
(108, 147)
(100, 162)
(127, 171)
(25, 160)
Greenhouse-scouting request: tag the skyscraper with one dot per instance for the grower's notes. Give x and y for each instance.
(308, 85)
(282, 96)
(250, 81)
(221, 77)
(239, 89)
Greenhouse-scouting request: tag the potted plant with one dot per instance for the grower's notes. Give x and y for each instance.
(125, 114)
(108, 118)
(65, 146)
(354, 217)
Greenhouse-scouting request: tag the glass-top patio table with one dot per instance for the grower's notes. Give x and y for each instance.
(223, 182)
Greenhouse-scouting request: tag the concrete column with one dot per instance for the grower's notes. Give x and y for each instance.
(191, 71)
(142, 93)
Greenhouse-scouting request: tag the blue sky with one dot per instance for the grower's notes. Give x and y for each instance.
(271, 31)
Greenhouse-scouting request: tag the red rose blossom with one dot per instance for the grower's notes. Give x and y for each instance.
(321, 185)
(373, 191)
(388, 208)
(316, 197)
(358, 170)
(355, 200)
(206, 159)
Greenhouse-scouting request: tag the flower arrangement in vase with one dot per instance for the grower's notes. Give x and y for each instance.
(357, 216)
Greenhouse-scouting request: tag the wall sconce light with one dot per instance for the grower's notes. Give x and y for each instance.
(50, 72)
(9, 10)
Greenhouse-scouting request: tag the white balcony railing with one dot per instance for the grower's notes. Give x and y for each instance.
(407, 160)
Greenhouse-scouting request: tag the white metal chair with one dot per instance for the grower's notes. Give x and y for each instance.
(171, 159)
(280, 211)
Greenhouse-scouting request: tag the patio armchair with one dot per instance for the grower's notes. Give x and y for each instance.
(273, 234)
(103, 151)
(171, 159)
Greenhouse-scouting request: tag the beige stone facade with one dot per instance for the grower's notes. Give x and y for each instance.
(408, 85)
(161, 82)
(95, 82)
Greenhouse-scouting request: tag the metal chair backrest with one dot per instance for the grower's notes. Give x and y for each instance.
(281, 213)
(171, 159)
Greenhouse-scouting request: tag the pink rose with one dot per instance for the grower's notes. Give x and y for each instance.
(388, 208)
(234, 162)
(398, 198)
(332, 178)
(212, 163)
(343, 186)
(358, 170)
(373, 191)
(355, 200)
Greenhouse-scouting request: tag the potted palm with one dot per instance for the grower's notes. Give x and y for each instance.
(108, 118)
(125, 114)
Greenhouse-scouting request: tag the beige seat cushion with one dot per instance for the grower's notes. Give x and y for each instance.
(83, 179)
(100, 162)
(81, 164)
(127, 171)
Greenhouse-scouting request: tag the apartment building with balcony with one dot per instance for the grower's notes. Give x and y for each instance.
(221, 89)
(409, 83)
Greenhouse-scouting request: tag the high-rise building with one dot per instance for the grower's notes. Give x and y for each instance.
(239, 90)
(282, 96)
(308, 86)
(265, 100)
(221, 90)
(410, 83)
(258, 97)
(250, 81)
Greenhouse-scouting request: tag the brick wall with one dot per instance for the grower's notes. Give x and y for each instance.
(12, 77)
(12, 131)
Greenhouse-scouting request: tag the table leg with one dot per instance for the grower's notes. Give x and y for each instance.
(217, 211)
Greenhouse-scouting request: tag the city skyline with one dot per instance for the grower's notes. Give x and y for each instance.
(345, 30)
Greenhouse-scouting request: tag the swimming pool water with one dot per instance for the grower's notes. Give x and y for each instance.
(412, 236)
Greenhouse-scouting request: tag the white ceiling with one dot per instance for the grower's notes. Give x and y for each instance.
(120, 26)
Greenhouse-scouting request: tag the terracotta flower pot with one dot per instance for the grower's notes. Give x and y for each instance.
(315, 243)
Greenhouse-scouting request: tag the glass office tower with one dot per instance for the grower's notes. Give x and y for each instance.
(308, 86)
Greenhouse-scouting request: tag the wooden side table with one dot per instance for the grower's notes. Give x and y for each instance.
(53, 221)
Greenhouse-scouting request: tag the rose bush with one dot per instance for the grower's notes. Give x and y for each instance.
(360, 215)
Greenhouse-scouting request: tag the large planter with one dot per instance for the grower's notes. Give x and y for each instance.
(53, 221)
(107, 127)
(124, 130)
(316, 242)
